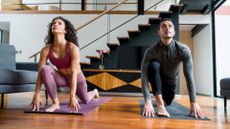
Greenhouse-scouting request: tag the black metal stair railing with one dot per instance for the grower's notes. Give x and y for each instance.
(115, 28)
(108, 32)
(85, 24)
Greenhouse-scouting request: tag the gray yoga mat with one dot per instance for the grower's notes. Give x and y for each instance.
(175, 110)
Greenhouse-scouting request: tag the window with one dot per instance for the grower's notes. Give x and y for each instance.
(222, 18)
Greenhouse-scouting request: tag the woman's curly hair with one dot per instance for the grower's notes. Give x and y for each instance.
(70, 35)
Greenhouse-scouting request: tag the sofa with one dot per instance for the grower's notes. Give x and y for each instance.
(225, 90)
(13, 80)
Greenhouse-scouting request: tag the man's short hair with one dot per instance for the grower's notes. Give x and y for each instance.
(165, 19)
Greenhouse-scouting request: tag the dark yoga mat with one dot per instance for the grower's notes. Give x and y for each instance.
(175, 110)
(85, 108)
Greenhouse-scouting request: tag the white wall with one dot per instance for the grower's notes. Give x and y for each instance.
(27, 31)
(202, 53)
(203, 62)
(5, 37)
(194, 19)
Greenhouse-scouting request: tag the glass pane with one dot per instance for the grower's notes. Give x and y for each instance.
(222, 18)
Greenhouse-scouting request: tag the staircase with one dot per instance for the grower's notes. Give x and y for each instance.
(129, 52)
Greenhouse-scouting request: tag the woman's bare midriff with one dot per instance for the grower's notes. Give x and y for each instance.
(67, 71)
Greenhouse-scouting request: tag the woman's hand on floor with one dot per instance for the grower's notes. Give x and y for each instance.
(36, 103)
(74, 106)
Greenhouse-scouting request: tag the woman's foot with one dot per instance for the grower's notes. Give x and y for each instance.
(53, 107)
(96, 97)
(162, 112)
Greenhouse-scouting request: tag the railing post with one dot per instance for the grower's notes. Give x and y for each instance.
(60, 4)
(108, 27)
(140, 7)
(82, 5)
(35, 58)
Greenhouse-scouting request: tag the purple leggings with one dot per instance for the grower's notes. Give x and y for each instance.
(52, 79)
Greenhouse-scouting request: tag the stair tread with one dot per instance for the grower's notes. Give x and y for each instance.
(144, 24)
(157, 18)
(133, 33)
(133, 30)
(113, 44)
(154, 20)
(176, 8)
(123, 37)
(84, 63)
(93, 57)
(165, 15)
(104, 51)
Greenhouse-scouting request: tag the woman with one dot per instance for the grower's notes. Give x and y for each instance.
(63, 52)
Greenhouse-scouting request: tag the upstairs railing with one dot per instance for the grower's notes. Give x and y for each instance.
(80, 5)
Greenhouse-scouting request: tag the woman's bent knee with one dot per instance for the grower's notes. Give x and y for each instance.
(46, 69)
(85, 101)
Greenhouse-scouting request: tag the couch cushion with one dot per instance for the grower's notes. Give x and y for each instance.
(16, 88)
(7, 56)
(225, 84)
(26, 77)
(8, 76)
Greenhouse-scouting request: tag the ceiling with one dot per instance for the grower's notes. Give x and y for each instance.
(196, 5)
(200, 6)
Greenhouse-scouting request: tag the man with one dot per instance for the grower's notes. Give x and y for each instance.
(160, 67)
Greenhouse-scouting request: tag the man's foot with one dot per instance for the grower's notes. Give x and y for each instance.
(53, 107)
(162, 112)
(96, 97)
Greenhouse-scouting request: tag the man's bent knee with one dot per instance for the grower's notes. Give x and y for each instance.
(154, 66)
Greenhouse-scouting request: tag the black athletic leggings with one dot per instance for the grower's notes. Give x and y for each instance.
(158, 83)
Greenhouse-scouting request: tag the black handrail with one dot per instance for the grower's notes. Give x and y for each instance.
(103, 13)
(85, 24)
(120, 25)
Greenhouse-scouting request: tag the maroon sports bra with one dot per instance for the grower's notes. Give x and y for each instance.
(63, 62)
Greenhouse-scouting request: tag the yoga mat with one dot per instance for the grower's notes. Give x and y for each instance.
(175, 110)
(85, 108)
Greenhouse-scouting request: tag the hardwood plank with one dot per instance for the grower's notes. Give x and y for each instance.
(118, 113)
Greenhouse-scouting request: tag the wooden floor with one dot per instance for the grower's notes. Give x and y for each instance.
(118, 113)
